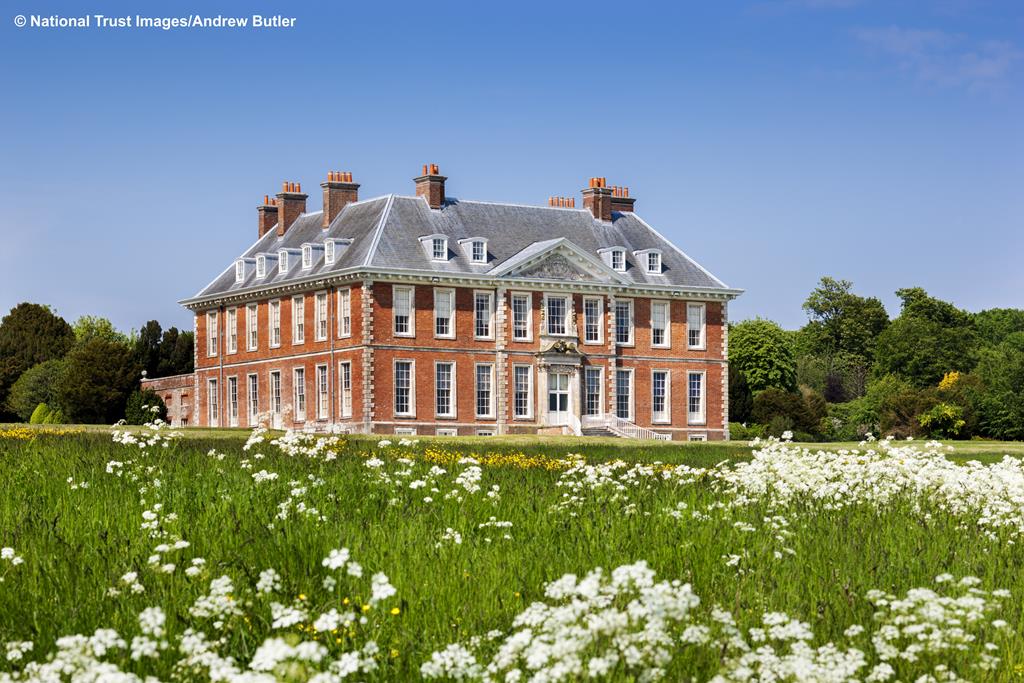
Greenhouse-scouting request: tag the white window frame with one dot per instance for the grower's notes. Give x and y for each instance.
(667, 341)
(299, 399)
(600, 389)
(703, 310)
(632, 393)
(252, 327)
(621, 254)
(697, 436)
(274, 315)
(323, 392)
(307, 256)
(321, 327)
(446, 431)
(261, 266)
(212, 340)
(298, 319)
(275, 398)
(231, 325)
(473, 257)
(395, 289)
(528, 415)
(345, 312)
(452, 404)
(345, 377)
(528, 297)
(213, 402)
(282, 261)
(701, 417)
(405, 431)
(567, 298)
(233, 400)
(439, 293)
(490, 314)
(329, 252)
(654, 262)
(666, 416)
(438, 244)
(476, 391)
(253, 398)
(600, 320)
(412, 387)
(239, 270)
(632, 322)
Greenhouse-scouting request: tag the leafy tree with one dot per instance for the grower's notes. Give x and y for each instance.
(996, 324)
(761, 350)
(89, 327)
(176, 353)
(36, 385)
(98, 376)
(928, 339)
(140, 407)
(29, 335)
(741, 399)
(842, 322)
(781, 410)
(147, 348)
(1000, 403)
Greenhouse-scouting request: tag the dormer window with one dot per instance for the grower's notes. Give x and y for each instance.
(614, 258)
(239, 270)
(282, 261)
(261, 266)
(650, 259)
(329, 252)
(475, 248)
(439, 249)
(307, 256)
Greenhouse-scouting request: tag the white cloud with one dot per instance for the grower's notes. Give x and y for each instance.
(943, 59)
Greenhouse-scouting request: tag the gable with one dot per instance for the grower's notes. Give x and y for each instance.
(556, 259)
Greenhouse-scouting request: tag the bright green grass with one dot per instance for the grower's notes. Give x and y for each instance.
(77, 543)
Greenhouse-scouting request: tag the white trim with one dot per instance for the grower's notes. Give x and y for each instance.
(467, 246)
(600, 390)
(632, 393)
(322, 380)
(412, 387)
(252, 327)
(667, 418)
(342, 410)
(272, 325)
(270, 394)
(452, 400)
(252, 411)
(319, 309)
(212, 334)
(632, 321)
(299, 415)
(600, 320)
(567, 320)
(379, 230)
(446, 431)
(476, 391)
(405, 431)
(702, 416)
(232, 381)
(490, 314)
(213, 409)
(703, 326)
(428, 242)
(344, 294)
(697, 436)
(412, 310)
(529, 315)
(450, 292)
(530, 391)
(667, 343)
(296, 319)
(231, 325)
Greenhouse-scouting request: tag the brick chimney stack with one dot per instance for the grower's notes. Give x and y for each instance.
(339, 190)
(267, 212)
(598, 198)
(621, 201)
(430, 186)
(290, 203)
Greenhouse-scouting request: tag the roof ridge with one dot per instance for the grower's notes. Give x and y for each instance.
(379, 230)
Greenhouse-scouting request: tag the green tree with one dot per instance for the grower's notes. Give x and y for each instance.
(36, 385)
(928, 339)
(176, 353)
(140, 407)
(1000, 401)
(29, 335)
(147, 348)
(741, 399)
(97, 379)
(841, 322)
(89, 327)
(760, 349)
(996, 324)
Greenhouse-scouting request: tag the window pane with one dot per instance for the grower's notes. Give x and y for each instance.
(696, 397)
(623, 386)
(520, 316)
(592, 405)
(556, 314)
(624, 322)
(403, 386)
(592, 319)
(659, 391)
(443, 382)
(695, 325)
(443, 308)
(522, 390)
(482, 315)
(483, 390)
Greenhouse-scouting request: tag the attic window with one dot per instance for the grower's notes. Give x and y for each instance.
(261, 266)
(282, 261)
(439, 249)
(239, 270)
(479, 251)
(653, 262)
(618, 260)
(307, 256)
(329, 252)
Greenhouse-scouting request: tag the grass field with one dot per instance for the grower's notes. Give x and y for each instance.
(758, 565)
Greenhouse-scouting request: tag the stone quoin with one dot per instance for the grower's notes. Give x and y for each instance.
(428, 314)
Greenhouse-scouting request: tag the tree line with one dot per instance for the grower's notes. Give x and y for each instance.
(82, 372)
(932, 371)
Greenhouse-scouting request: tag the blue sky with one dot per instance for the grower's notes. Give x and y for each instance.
(774, 141)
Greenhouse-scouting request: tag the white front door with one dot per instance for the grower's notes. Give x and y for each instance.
(558, 398)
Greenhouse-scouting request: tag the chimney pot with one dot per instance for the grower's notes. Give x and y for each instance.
(291, 203)
(266, 215)
(339, 191)
(430, 186)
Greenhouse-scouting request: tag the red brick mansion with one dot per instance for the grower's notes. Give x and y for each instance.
(428, 314)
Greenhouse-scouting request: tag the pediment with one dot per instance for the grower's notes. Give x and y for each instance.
(563, 262)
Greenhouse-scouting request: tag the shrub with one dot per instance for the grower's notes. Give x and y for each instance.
(139, 409)
(98, 377)
(36, 385)
(782, 411)
(943, 421)
(40, 414)
(739, 431)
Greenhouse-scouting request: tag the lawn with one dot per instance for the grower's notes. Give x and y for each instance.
(318, 560)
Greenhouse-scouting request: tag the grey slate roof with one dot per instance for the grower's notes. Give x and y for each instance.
(385, 234)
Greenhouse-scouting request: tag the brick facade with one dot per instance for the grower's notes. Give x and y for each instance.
(178, 395)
